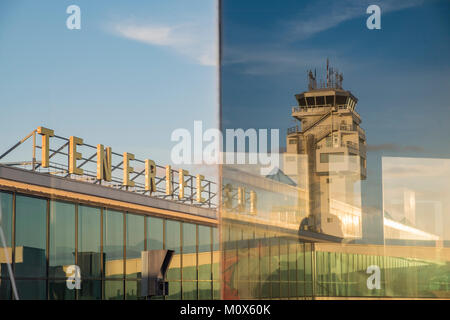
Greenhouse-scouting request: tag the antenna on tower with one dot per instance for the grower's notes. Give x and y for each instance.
(328, 77)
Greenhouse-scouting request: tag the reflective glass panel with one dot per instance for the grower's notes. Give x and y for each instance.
(113, 245)
(155, 232)
(135, 245)
(6, 207)
(89, 240)
(62, 238)
(173, 243)
(31, 229)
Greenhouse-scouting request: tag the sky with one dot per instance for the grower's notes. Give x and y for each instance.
(400, 73)
(133, 73)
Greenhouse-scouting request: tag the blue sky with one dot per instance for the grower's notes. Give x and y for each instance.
(135, 71)
(400, 74)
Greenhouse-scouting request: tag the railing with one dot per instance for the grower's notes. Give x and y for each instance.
(311, 109)
(294, 129)
(58, 165)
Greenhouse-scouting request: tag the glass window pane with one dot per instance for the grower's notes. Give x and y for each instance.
(155, 231)
(174, 290)
(216, 254)
(62, 238)
(31, 229)
(57, 290)
(5, 289)
(6, 225)
(113, 244)
(133, 289)
(113, 290)
(204, 253)
(189, 252)
(89, 239)
(205, 290)
(189, 290)
(173, 243)
(90, 290)
(216, 290)
(31, 289)
(135, 245)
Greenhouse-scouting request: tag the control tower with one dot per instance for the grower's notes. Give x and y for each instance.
(332, 143)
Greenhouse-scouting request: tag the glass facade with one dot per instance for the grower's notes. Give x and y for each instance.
(105, 244)
(254, 261)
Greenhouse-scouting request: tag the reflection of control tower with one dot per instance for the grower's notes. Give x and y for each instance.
(330, 136)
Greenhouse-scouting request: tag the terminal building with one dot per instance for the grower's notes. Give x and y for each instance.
(59, 212)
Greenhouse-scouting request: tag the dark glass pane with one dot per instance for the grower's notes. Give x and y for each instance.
(31, 289)
(135, 245)
(113, 244)
(31, 228)
(155, 231)
(62, 238)
(133, 290)
(216, 254)
(205, 290)
(113, 290)
(6, 225)
(90, 290)
(5, 289)
(173, 243)
(189, 290)
(89, 238)
(189, 252)
(174, 290)
(57, 290)
(216, 290)
(204, 253)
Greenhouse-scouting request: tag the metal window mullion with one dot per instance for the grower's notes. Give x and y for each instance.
(102, 273)
(124, 256)
(181, 259)
(13, 240)
(196, 258)
(47, 254)
(76, 243)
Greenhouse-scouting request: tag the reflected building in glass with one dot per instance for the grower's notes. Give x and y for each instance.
(298, 232)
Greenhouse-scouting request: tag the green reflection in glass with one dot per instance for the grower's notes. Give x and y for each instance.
(62, 240)
(189, 290)
(6, 208)
(31, 230)
(216, 290)
(113, 290)
(113, 244)
(173, 243)
(275, 266)
(301, 269)
(174, 291)
(216, 254)
(189, 252)
(89, 239)
(205, 290)
(132, 289)
(155, 231)
(135, 245)
(265, 268)
(204, 253)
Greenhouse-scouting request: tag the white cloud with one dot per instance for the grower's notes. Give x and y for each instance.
(325, 14)
(192, 41)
